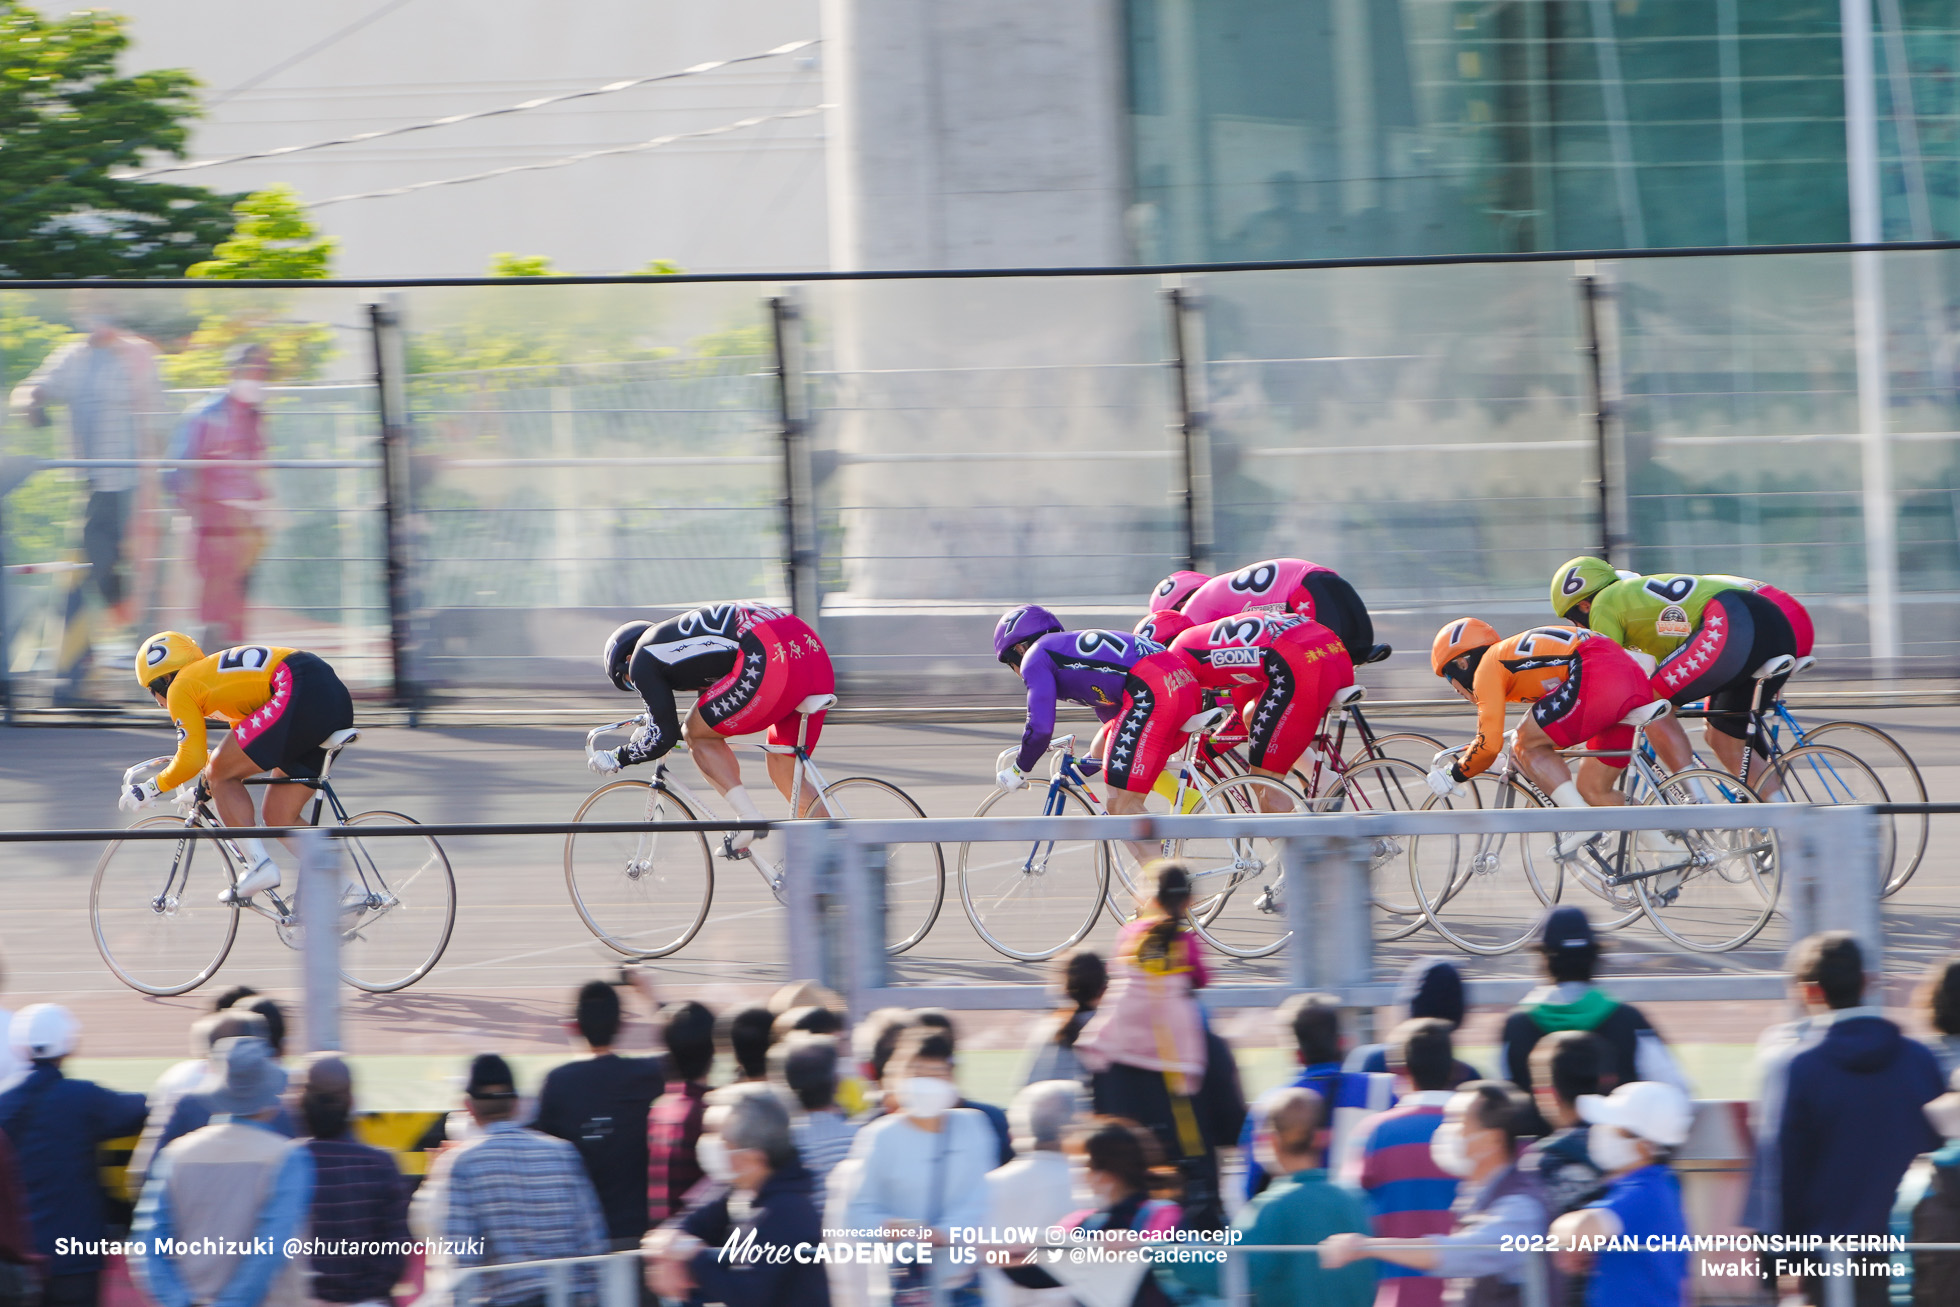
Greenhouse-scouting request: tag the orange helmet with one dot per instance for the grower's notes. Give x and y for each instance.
(1465, 635)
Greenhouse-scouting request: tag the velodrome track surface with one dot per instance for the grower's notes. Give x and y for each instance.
(519, 947)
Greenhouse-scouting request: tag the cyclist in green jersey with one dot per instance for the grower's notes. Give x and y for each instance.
(1706, 635)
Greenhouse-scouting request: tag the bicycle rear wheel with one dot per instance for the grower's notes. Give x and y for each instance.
(915, 874)
(397, 906)
(1899, 775)
(1237, 904)
(1033, 899)
(155, 912)
(1407, 746)
(644, 894)
(1384, 785)
(1823, 773)
(1485, 893)
(1710, 891)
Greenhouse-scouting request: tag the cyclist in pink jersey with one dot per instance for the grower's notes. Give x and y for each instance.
(1291, 585)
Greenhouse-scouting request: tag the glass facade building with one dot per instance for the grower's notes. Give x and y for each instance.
(1296, 129)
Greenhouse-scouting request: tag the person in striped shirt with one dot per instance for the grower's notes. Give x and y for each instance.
(1408, 1194)
(807, 1066)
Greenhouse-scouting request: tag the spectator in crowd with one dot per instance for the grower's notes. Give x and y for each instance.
(742, 1036)
(933, 1018)
(221, 1188)
(776, 1209)
(1409, 1194)
(509, 1195)
(1634, 1131)
(1150, 1026)
(810, 1020)
(192, 1111)
(1499, 1209)
(674, 1119)
(20, 1266)
(55, 1125)
(12, 1067)
(599, 1105)
(185, 1075)
(1430, 987)
(1350, 1097)
(806, 1065)
(1853, 1114)
(1939, 997)
(359, 1198)
(226, 502)
(108, 383)
(1052, 1043)
(1566, 1066)
(1936, 1216)
(925, 1164)
(806, 993)
(1118, 1159)
(872, 1045)
(1035, 1190)
(1301, 1207)
(164, 1124)
(1570, 952)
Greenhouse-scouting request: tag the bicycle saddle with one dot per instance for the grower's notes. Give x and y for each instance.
(340, 739)
(1207, 721)
(815, 704)
(1780, 665)
(1350, 694)
(1375, 655)
(1804, 664)
(1648, 714)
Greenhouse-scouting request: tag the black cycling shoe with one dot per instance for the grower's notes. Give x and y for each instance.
(1377, 654)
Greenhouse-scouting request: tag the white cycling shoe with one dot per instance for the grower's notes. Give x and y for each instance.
(1571, 842)
(263, 875)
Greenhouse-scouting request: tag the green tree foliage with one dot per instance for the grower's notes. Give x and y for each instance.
(507, 264)
(67, 120)
(274, 240)
(39, 510)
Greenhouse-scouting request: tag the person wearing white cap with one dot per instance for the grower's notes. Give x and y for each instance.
(56, 1124)
(1633, 1132)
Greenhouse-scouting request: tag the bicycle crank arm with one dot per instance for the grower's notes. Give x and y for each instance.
(1627, 878)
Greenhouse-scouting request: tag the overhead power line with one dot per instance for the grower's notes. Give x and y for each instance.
(539, 103)
(364, 20)
(653, 144)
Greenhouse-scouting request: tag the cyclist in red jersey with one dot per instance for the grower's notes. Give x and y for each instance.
(1292, 585)
(1281, 672)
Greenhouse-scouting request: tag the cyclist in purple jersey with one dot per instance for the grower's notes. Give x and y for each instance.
(1086, 667)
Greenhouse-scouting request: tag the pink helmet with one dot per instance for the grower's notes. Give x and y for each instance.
(1173, 590)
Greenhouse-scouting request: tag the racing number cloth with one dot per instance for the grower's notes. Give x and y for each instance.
(1739, 631)
(1288, 585)
(1579, 683)
(281, 703)
(1159, 696)
(751, 664)
(1280, 671)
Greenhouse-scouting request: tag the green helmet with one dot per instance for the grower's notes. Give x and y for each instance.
(1580, 578)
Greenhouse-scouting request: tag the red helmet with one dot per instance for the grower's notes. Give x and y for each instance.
(1164, 625)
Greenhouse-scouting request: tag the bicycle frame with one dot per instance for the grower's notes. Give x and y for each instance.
(1642, 768)
(282, 912)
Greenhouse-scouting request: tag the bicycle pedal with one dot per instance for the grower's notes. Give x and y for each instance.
(729, 851)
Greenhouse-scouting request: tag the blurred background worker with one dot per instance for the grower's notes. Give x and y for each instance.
(225, 502)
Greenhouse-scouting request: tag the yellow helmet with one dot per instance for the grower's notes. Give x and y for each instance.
(164, 653)
(1579, 579)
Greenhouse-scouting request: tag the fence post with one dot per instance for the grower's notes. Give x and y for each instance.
(864, 930)
(1295, 851)
(818, 948)
(799, 485)
(620, 1280)
(6, 632)
(319, 913)
(1849, 880)
(1188, 370)
(391, 403)
(1612, 530)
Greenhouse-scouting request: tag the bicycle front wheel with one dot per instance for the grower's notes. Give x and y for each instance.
(1034, 899)
(1384, 785)
(1900, 776)
(1485, 893)
(1823, 773)
(1407, 746)
(397, 906)
(155, 912)
(915, 874)
(644, 893)
(1709, 891)
(1237, 900)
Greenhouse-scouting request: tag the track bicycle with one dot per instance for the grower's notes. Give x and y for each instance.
(1707, 890)
(646, 894)
(158, 922)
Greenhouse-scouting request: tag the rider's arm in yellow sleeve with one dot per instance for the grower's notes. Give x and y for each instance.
(1490, 687)
(191, 755)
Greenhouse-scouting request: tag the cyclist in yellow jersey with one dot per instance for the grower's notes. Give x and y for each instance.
(282, 705)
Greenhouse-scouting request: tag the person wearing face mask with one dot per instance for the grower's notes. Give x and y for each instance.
(1633, 1131)
(1300, 1207)
(1496, 1204)
(924, 1164)
(766, 1194)
(225, 498)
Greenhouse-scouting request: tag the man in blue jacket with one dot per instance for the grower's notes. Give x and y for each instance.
(1854, 1107)
(55, 1125)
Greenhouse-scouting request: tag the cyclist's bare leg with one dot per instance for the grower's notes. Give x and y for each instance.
(1671, 744)
(723, 770)
(782, 770)
(1538, 756)
(1272, 800)
(1597, 783)
(1125, 803)
(225, 773)
(1729, 750)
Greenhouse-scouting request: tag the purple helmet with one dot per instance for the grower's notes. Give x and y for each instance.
(619, 651)
(1020, 624)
